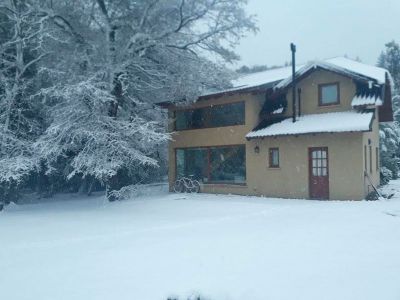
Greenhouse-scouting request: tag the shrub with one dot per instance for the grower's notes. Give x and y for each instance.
(386, 175)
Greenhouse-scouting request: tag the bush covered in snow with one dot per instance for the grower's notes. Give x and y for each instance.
(125, 193)
(386, 175)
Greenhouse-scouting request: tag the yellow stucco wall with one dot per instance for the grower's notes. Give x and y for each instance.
(371, 139)
(309, 93)
(291, 179)
(230, 135)
(346, 158)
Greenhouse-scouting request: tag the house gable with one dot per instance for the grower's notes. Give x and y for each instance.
(310, 86)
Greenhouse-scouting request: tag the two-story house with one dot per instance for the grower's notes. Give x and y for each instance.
(248, 140)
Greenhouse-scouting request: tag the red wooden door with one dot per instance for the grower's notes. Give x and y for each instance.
(318, 173)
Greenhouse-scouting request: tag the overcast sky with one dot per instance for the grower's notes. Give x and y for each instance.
(320, 29)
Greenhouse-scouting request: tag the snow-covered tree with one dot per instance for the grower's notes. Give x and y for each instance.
(116, 60)
(390, 59)
(27, 30)
(390, 133)
(23, 31)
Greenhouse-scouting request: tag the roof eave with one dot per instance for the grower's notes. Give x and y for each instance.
(246, 90)
(260, 89)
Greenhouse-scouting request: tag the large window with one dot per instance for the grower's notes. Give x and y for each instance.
(225, 164)
(328, 94)
(191, 162)
(212, 116)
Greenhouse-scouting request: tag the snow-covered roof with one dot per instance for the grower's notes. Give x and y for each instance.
(348, 121)
(342, 65)
(278, 111)
(281, 77)
(254, 80)
(362, 100)
(262, 78)
(379, 74)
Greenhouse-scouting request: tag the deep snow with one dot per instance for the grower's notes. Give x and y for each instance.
(225, 247)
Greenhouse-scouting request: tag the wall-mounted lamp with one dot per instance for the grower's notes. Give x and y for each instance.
(257, 149)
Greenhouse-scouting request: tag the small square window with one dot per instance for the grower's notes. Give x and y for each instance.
(328, 94)
(274, 157)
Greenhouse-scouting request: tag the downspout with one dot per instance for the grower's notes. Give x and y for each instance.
(299, 96)
(293, 49)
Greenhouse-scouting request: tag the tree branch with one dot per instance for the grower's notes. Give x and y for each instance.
(146, 13)
(104, 11)
(31, 63)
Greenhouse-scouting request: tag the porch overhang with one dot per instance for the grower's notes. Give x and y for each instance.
(337, 122)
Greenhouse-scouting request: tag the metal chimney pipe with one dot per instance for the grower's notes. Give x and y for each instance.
(293, 49)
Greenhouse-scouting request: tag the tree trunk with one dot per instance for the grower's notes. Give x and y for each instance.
(114, 77)
(83, 186)
(19, 63)
(89, 192)
(114, 183)
(118, 96)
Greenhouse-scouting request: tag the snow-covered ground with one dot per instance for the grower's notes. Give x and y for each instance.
(224, 247)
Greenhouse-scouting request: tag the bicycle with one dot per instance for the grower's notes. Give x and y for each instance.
(187, 185)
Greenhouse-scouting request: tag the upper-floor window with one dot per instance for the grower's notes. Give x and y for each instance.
(328, 94)
(211, 116)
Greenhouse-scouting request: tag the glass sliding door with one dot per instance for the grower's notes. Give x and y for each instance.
(192, 162)
(228, 164)
(225, 164)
